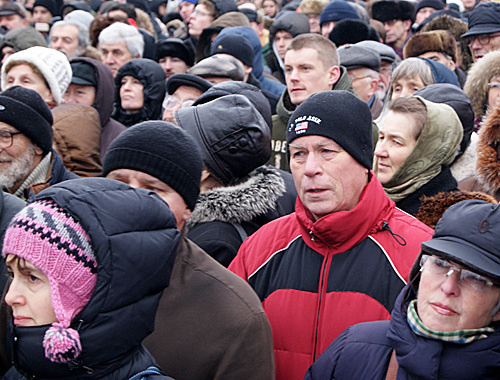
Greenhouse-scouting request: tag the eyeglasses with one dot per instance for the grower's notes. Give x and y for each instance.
(483, 39)
(171, 102)
(197, 12)
(472, 280)
(494, 85)
(6, 138)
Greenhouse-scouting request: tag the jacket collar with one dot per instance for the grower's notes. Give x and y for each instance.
(344, 229)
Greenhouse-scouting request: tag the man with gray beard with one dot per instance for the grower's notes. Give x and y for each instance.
(28, 164)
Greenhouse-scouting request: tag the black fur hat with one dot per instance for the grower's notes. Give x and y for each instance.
(388, 10)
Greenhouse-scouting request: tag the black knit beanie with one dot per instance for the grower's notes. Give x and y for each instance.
(337, 115)
(160, 149)
(25, 110)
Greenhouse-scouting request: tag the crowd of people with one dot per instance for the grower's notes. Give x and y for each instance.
(250, 189)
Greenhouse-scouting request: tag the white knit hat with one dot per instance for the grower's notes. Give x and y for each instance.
(53, 65)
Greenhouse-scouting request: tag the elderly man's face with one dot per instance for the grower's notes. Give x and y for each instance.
(326, 177)
(142, 180)
(65, 39)
(481, 44)
(115, 55)
(396, 32)
(446, 304)
(183, 97)
(17, 160)
(12, 22)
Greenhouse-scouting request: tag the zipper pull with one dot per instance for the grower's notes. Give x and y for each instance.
(398, 238)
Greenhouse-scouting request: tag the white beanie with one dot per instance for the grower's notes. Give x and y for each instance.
(53, 65)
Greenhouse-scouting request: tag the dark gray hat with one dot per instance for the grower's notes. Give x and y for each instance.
(12, 8)
(468, 234)
(485, 18)
(190, 80)
(219, 66)
(386, 52)
(83, 73)
(355, 57)
(233, 136)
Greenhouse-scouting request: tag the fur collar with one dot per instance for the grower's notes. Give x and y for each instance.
(256, 196)
(488, 149)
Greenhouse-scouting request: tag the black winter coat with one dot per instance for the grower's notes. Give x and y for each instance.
(134, 238)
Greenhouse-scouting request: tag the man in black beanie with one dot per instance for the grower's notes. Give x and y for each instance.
(345, 253)
(27, 162)
(174, 55)
(210, 324)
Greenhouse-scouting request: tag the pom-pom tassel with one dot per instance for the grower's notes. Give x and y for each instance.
(61, 344)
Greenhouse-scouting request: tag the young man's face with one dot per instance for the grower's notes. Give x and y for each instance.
(305, 74)
(41, 14)
(173, 65)
(200, 19)
(282, 39)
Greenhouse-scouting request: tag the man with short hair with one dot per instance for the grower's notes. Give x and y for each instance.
(118, 44)
(311, 66)
(13, 16)
(209, 324)
(28, 164)
(398, 17)
(363, 66)
(345, 253)
(174, 55)
(69, 37)
(483, 35)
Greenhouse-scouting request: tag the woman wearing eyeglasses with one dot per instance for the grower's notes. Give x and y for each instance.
(445, 324)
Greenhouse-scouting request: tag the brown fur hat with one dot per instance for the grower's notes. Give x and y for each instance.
(439, 40)
(456, 27)
(312, 7)
(432, 208)
(488, 151)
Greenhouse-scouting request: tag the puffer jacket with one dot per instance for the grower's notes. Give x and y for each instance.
(77, 134)
(284, 110)
(316, 278)
(103, 103)
(135, 258)
(152, 77)
(291, 22)
(363, 351)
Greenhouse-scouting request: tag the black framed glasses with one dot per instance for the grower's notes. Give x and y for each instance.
(483, 39)
(439, 266)
(6, 138)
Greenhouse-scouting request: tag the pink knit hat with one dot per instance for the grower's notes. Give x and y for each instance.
(53, 241)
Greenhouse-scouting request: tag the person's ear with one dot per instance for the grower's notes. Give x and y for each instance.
(38, 150)
(333, 75)
(496, 317)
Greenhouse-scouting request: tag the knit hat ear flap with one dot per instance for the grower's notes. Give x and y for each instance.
(54, 242)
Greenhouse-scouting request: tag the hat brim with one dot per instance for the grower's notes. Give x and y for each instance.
(82, 82)
(481, 29)
(465, 253)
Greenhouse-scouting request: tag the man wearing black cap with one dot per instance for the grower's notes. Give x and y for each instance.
(425, 8)
(345, 253)
(484, 30)
(363, 66)
(174, 55)
(397, 17)
(13, 16)
(182, 91)
(28, 164)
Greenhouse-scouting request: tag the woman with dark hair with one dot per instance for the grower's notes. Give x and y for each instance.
(417, 142)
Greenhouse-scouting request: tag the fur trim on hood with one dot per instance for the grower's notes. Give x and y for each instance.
(488, 151)
(254, 197)
(476, 86)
